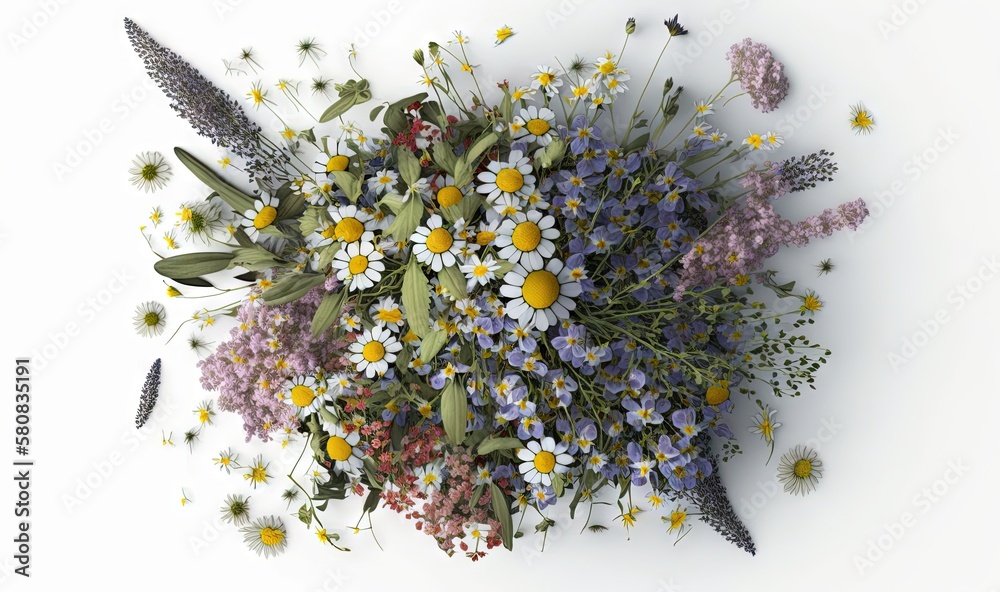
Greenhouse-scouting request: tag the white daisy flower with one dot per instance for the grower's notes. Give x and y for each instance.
(435, 246)
(336, 384)
(374, 350)
(584, 90)
(546, 80)
(339, 159)
(527, 237)
(421, 188)
(476, 531)
(488, 229)
(383, 181)
(535, 125)
(263, 215)
(540, 297)
(507, 183)
(543, 459)
(149, 171)
(429, 476)
(616, 83)
(304, 394)
(387, 311)
(447, 193)
(606, 66)
(317, 191)
(342, 448)
(479, 271)
(361, 263)
(800, 470)
(150, 318)
(352, 224)
(703, 108)
(772, 140)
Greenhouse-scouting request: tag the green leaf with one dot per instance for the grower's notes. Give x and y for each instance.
(558, 483)
(432, 344)
(454, 281)
(305, 515)
(476, 150)
(409, 166)
(552, 154)
(444, 156)
(343, 105)
(491, 444)
(498, 501)
(238, 200)
(328, 311)
(637, 143)
(292, 287)
(416, 298)
(255, 258)
(241, 237)
(290, 203)
(454, 411)
(463, 173)
(327, 254)
(371, 502)
(393, 201)
(374, 112)
(192, 265)
(349, 182)
(477, 494)
(311, 220)
(505, 268)
(407, 220)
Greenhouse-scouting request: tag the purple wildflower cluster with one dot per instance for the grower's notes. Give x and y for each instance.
(269, 345)
(750, 233)
(760, 75)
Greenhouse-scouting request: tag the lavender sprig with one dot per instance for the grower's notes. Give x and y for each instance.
(713, 502)
(150, 391)
(804, 172)
(209, 110)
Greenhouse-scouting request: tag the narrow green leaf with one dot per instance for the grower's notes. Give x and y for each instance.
(409, 166)
(238, 200)
(393, 201)
(349, 182)
(416, 298)
(492, 444)
(471, 157)
(454, 411)
(290, 204)
(292, 287)
(255, 258)
(432, 344)
(192, 265)
(374, 112)
(498, 501)
(371, 502)
(343, 105)
(328, 311)
(454, 281)
(444, 156)
(407, 220)
(477, 494)
(558, 483)
(241, 237)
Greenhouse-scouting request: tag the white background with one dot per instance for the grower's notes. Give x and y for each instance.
(897, 427)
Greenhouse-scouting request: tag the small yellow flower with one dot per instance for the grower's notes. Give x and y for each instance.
(811, 303)
(173, 292)
(503, 34)
(862, 120)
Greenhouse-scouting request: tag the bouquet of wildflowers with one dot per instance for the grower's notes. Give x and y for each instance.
(488, 309)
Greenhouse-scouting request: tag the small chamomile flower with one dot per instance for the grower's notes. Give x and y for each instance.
(149, 171)
(266, 536)
(227, 460)
(800, 470)
(150, 318)
(257, 472)
(862, 120)
(205, 412)
(236, 510)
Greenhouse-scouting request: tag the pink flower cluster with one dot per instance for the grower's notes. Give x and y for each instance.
(760, 75)
(448, 510)
(750, 233)
(270, 345)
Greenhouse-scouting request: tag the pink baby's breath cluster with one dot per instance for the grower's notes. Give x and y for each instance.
(750, 233)
(269, 345)
(448, 510)
(760, 75)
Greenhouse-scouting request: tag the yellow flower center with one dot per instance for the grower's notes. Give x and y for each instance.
(545, 78)
(439, 240)
(545, 461)
(349, 230)
(540, 289)
(265, 217)
(717, 395)
(449, 196)
(510, 180)
(485, 237)
(373, 351)
(812, 303)
(302, 395)
(803, 468)
(537, 126)
(337, 163)
(480, 271)
(607, 67)
(358, 264)
(526, 236)
(338, 448)
(329, 232)
(271, 536)
(394, 316)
